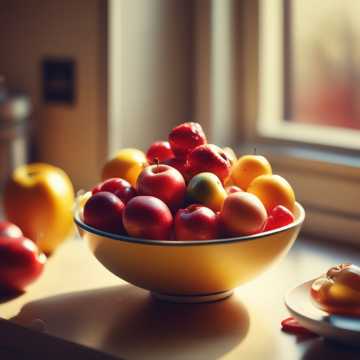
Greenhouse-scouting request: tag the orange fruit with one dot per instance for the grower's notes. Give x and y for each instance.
(273, 190)
(247, 168)
(127, 164)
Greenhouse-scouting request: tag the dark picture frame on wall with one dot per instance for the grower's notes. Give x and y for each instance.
(58, 79)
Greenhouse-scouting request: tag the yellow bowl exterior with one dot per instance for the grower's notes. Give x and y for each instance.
(192, 268)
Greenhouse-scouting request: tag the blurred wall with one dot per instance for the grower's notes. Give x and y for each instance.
(148, 58)
(73, 137)
(151, 67)
(172, 61)
(162, 62)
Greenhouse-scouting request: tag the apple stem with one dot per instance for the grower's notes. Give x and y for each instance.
(254, 150)
(156, 161)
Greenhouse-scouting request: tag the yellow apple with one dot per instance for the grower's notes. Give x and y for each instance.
(39, 199)
(273, 190)
(127, 164)
(247, 168)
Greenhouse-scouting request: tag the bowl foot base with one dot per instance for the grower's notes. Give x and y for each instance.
(193, 298)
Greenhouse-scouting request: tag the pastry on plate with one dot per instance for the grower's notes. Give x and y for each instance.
(338, 291)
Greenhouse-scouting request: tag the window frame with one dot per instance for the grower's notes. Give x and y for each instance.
(324, 174)
(275, 54)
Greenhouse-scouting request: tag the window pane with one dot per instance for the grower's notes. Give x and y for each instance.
(322, 61)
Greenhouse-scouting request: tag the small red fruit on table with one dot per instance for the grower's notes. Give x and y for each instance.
(292, 326)
(164, 182)
(186, 137)
(118, 186)
(104, 211)
(209, 158)
(160, 151)
(21, 262)
(148, 217)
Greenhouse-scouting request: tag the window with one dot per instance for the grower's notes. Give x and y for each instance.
(324, 62)
(310, 61)
(308, 107)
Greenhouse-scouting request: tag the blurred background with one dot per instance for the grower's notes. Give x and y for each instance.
(82, 79)
(324, 62)
(100, 75)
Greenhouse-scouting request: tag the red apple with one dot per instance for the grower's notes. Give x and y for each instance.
(103, 211)
(21, 263)
(181, 165)
(148, 217)
(279, 216)
(118, 186)
(243, 214)
(9, 229)
(196, 222)
(163, 182)
(185, 137)
(159, 150)
(209, 158)
(221, 227)
(232, 189)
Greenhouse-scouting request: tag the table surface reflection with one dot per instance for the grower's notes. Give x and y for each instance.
(79, 301)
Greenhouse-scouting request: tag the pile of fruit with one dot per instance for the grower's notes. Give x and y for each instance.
(187, 189)
(38, 201)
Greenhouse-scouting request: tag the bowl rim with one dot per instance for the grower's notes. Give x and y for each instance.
(298, 221)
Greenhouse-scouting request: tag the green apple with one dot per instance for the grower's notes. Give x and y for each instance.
(206, 188)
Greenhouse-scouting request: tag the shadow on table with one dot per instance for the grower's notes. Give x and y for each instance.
(9, 294)
(128, 322)
(330, 350)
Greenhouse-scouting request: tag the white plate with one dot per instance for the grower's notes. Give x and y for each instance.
(344, 329)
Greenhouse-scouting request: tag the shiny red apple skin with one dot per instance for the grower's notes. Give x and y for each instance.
(160, 151)
(21, 263)
(164, 182)
(221, 227)
(103, 211)
(279, 216)
(209, 158)
(119, 187)
(8, 229)
(181, 165)
(196, 222)
(148, 217)
(186, 137)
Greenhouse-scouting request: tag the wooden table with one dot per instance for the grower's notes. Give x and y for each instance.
(76, 299)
